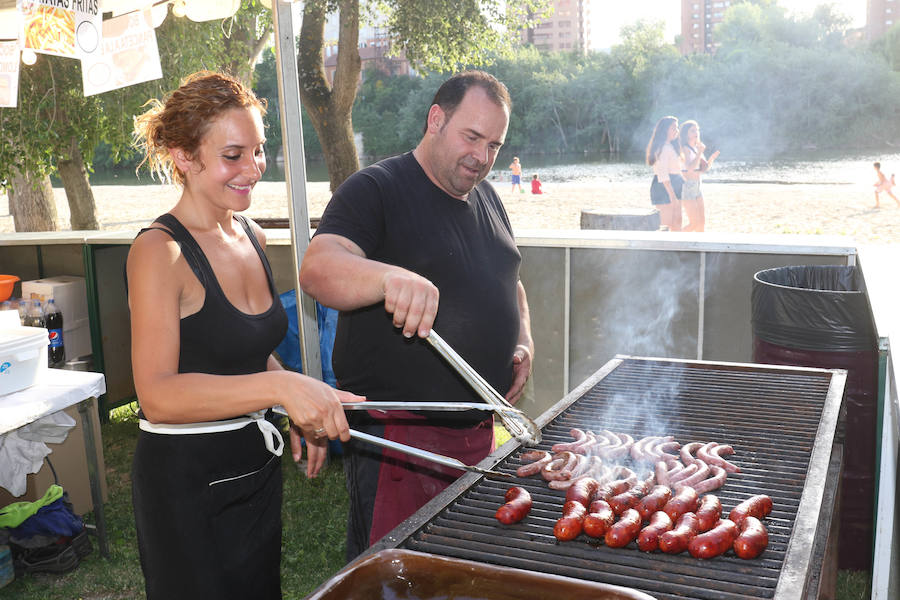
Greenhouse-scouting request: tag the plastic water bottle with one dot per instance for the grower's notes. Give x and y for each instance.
(56, 353)
(24, 305)
(35, 315)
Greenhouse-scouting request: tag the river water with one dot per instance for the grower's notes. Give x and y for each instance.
(817, 168)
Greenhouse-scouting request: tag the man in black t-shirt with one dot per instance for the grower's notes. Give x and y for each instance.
(416, 241)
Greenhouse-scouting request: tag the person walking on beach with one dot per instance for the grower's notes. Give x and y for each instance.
(205, 318)
(883, 185)
(695, 163)
(536, 185)
(664, 157)
(516, 168)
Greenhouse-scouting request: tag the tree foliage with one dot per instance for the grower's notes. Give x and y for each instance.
(777, 84)
(437, 35)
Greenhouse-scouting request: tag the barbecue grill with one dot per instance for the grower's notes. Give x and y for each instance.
(782, 423)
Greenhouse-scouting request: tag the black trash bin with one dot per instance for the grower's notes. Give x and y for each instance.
(818, 316)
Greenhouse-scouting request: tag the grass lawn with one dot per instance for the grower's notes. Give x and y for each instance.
(314, 514)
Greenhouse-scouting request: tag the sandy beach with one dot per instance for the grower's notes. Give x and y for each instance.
(844, 210)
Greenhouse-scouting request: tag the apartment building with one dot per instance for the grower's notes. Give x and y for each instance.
(567, 29)
(698, 23)
(880, 16)
(374, 44)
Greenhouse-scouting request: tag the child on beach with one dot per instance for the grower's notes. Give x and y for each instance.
(516, 168)
(694, 164)
(536, 185)
(883, 185)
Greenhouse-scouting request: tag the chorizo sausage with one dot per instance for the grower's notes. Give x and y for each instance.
(648, 538)
(752, 539)
(625, 530)
(571, 523)
(684, 500)
(714, 542)
(582, 490)
(599, 519)
(677, 540)
(630, 498)
(518, 503)
(654, 501)
(709, 511)
(758, 506)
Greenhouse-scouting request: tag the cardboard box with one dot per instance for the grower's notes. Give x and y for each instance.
(69, 293)
(70, 461)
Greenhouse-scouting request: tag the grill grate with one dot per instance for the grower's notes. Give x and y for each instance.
(779, 420)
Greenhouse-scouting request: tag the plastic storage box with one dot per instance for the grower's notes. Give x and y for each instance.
(23, 357)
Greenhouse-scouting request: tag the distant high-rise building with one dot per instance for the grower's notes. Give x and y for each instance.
(880, 16)
(567, 29)
(698, 22)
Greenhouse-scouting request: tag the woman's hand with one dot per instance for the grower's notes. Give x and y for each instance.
(316, 414)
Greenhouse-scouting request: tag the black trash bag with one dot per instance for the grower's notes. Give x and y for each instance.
(812, 308)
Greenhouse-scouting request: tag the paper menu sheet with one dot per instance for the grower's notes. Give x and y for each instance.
(129, 55)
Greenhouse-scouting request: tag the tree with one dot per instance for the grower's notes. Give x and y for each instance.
(435, 35)
(57, 127)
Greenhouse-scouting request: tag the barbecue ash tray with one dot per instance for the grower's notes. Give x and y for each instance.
(410, 575)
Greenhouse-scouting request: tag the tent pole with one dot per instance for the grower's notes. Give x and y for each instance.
(295, 178)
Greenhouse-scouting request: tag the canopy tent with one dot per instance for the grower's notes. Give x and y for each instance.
(289, 106)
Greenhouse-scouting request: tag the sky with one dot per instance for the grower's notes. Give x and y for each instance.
(608, 17)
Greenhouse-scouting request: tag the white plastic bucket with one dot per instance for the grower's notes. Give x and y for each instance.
(23, 357)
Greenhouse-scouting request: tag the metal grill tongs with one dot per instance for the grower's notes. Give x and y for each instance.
(411, 450)
(516, 422)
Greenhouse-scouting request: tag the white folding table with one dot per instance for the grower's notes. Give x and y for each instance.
(57, 390)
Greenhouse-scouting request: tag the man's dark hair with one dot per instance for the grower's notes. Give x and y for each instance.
(451, 93)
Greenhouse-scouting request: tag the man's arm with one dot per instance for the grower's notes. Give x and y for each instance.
(336, 272)
(524, 353)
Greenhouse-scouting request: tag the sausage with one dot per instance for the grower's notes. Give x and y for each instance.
(648, 538)
(752, 539)
(625, 530)
(582, 490)
(560, 467)
(709, 511)
(518, 503)
(579, 437)
(535, 461)
(712, 483)
(654, 501)
(714, 542)
(599, 519)
(570, 525)
(630, 498)
(677, 540)
(755, 506)
(685, 500)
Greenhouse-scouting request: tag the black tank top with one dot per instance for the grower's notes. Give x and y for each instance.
(219, 339)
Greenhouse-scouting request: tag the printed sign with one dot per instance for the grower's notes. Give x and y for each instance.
(61, 27)
(128, 55)
(9, 74)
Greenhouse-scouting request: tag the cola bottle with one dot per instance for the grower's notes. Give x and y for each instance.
(56, 353)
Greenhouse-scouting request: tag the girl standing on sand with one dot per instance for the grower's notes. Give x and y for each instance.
(694, 164)
(663, 156)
